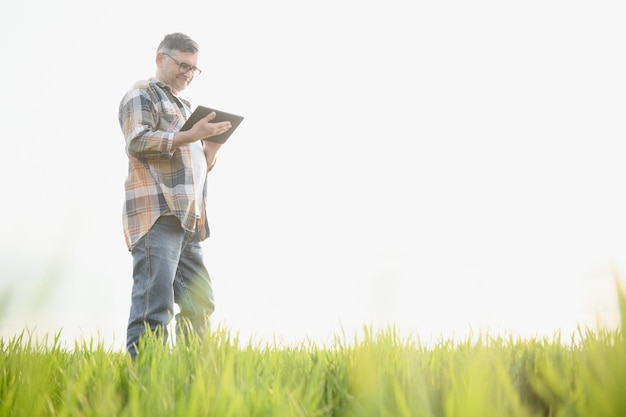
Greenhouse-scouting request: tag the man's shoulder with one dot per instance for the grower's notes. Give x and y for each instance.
(136, 89)
(143, 86)
(150, 89)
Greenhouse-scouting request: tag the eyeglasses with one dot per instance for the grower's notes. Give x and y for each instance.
(185, 67)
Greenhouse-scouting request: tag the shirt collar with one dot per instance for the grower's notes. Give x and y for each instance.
(167, 88)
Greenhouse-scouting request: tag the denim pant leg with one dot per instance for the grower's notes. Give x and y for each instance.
(155, 261)
(192, 290)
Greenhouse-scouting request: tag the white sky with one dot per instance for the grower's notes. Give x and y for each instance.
(446, 166)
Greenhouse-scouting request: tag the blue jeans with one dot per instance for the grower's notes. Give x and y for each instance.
(168, 268)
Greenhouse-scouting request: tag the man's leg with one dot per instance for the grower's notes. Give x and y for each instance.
(193, 291)
(155, 259)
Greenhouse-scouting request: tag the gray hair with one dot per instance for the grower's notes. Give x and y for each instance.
(178, 42)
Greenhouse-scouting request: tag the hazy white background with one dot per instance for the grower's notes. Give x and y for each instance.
(446, 166)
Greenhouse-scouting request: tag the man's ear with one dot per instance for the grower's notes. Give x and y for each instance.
(159, 59)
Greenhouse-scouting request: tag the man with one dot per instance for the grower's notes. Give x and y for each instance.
(164, 212)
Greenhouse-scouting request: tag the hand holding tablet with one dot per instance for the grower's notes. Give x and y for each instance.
(202, 111)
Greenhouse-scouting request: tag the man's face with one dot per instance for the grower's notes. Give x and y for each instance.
(174, 69)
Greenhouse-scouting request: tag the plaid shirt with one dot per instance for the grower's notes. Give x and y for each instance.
(159, 180)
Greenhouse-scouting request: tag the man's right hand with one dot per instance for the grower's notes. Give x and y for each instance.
(201, 130)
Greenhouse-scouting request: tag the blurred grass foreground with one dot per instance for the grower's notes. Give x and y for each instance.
(376, 374)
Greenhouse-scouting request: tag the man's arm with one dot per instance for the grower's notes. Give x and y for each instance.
(138, 119)
(210, 152)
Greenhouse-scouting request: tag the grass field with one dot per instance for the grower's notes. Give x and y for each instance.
(376, 373)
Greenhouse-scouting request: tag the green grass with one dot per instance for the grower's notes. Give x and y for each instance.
(379, 373)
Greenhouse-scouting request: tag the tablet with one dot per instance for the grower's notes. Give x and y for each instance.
(221, 116)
